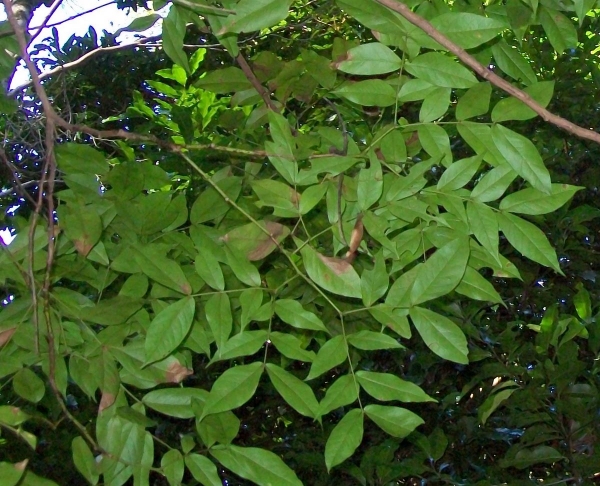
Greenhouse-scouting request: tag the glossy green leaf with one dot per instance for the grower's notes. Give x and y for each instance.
(291, 347)
(173, 32)
(386, 387)
(531, 201)
(442, 272)
(370, 184)
(475, 102)
(256, 241)
(344, 439)
(484, 225)
(242, 268)
(559, 28)
(225, 80)
(512, 109)
(467, 29)
(342, 392)
(372, 92)
(396, 421)
(333, 274)
(172, 466)
(370, 59)
(245, 343)
(528, 240)
(233, 388)
(70, 155)
(258, 465)
(583, 303)
(161, 269)
(331, 354)
(440, 334)
(374, 283)
(370, 340)
(210, 205)
(169, 328)
(284, 199)
(28, 385)
(440, 70)
(203, 470)
(294, 391)
(459, 173)
(220, 320)
(175, 402)
(254, 15)
(83, 225)
(209, 269)
(493, 184)
(84, 460)
(435, 105)
(415, 90)
(534, 455)
(291, 312)
(475, 286)
(495, 400)
(522, 156)
(510, 61)
(393, 318)
(219, 427)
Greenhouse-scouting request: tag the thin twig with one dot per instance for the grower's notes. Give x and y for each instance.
(256, 83)
(44, 24)
(73, 17)
(487, 74)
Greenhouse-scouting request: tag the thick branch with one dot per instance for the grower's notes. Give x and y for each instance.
(485, 73)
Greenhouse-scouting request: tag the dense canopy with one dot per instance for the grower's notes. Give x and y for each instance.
(302, 242)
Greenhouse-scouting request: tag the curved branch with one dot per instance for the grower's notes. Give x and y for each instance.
(485, 73)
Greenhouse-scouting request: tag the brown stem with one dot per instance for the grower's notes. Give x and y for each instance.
(485, 73)
(256, 83)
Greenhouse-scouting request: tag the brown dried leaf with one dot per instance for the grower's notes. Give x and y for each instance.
(339, 266)
(6, 335)
(106, 401)
(176, 372)
(356, 237)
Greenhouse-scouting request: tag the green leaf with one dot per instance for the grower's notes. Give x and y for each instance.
(475, 286)
(333, 274)
(370, 184)
(210, 205)
(172, 466)
(233, 388)
(12, 473)
(209, 269)
(84, 460)
(531, 201)
(331, 354)
(344, 439)
(386, 387)
(256, 241)
(342, 392)
(442, 272)
(28, 385)
(372, 92)
(245, 343)
(203, 470)
(510, 61)
(533, 455)
(175, 402)
(254, 15)
(12, 416)
(291, 312)
(440, 334)
(493, 401)
(83, 225)
(513, 109)
(370, 340)
(396, 421)
(435, 142)
(522, 156)
(475, 102)
(225, 80)
(220, 320)
(294, 391)
(415, 90)
(69, 157)
(582, 302)
(440, 70)
(152, 261)
(528, 240)
(466, 29)
(369, 59)
(168, 329)
(493, 184)
(393, 318)
(559, 28)
(173, 32)
(459, 173)
(375, 282)
(484, 225)
(258, 465)
(220, 427)
(435, 105)
(291, 347)
(251, 300)
(242, 268)
(284, 199)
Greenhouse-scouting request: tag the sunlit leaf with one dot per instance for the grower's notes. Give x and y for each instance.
(344, 438)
